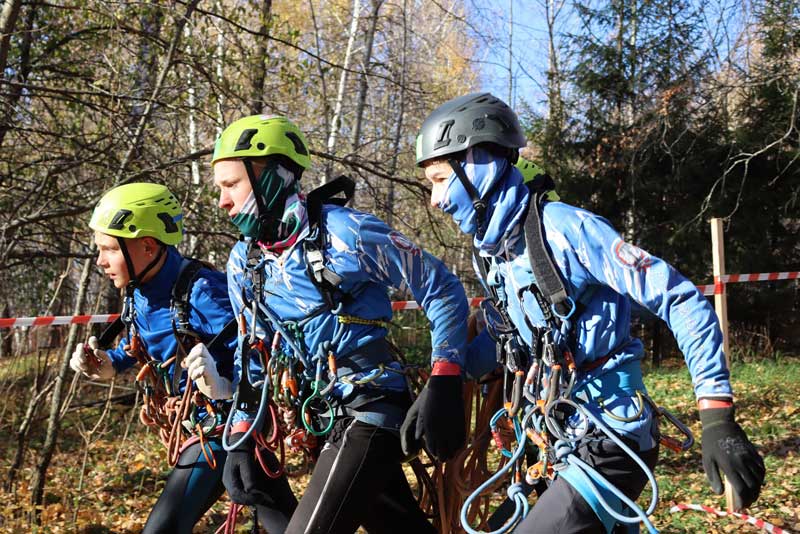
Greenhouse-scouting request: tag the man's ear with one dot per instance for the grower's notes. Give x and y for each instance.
(150, 245)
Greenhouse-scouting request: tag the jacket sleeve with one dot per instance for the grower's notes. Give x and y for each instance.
(210, 312)
(119, 358)
(658, 287)
(391, 259)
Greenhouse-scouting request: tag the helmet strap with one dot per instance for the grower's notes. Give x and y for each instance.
(478, 204)
(134, 279)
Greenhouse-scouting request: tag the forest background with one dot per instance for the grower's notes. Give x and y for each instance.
(657, 114)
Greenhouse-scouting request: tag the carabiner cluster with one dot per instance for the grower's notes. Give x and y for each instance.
(545, 422)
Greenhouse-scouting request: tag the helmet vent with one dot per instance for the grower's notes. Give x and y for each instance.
(169, 224)
(461, 138)
(260, 146)
(299, 146)
(118, 220)
(244, 140)
(132, 228)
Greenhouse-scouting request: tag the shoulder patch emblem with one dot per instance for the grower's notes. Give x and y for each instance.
(403, 243)
(630, 256)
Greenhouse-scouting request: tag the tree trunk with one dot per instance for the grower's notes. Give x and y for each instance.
(54, 421)
(555, 122)
(369, 39)
(326, 109)
(8, 19)
(24, 69)
(337, 109)
(398, 132)
(191, 101)
(257, 92)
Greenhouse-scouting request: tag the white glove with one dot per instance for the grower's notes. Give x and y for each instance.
(80, 362)
(203, 370)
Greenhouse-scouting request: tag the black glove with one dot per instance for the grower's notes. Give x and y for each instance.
(409, 440)
(441, 416)
(243, 476)
(726, 447)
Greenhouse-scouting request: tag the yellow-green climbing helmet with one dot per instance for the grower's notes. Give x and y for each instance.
(262, 135)
(139, 210)
(529, 171)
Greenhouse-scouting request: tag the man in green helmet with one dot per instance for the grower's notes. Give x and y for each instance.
(173, 305)
(311, 276)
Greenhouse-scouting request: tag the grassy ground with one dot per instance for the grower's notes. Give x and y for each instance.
(123, 478)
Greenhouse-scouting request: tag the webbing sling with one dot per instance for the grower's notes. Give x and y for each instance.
(547, 275)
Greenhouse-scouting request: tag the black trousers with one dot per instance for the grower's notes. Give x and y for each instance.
(192, 487)
(562, 510)
(359, 480)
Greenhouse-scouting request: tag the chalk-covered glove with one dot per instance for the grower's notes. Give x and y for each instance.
(441, 414)
(203, 370)
(410, 442)
(83, 362)
(243, 476)
(726, 447)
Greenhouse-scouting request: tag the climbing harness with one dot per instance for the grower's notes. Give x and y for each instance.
(177, 416)
(554, 418)
(294, 400)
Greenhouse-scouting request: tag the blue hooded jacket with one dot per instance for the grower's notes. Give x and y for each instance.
(604, 274)
(209, 312)
(370, 258)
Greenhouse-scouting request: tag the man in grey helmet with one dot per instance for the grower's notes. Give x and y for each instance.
(560, 281)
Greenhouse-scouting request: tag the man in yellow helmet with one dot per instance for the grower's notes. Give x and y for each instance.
(171, 303)
(311, 276)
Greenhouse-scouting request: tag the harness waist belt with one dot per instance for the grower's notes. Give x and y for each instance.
(366, 358)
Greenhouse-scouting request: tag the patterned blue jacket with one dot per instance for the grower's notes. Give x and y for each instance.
(370, 258)
(210, 311)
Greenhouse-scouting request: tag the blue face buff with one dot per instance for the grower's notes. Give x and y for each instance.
(500, 185)
(483, 170)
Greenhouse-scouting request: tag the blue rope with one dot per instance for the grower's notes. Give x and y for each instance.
(515, 492)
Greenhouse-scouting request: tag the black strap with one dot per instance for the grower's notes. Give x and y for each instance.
(478, 203)
(548, 277)
(110, 333)
(181, 291)
(327, 194)
(325, 280)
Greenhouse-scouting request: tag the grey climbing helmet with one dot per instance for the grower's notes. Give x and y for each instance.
(466, 121)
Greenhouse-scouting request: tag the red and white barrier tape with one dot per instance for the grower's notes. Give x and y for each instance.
(398, 305)
(51, 320)
(707, 290)
(760, 523)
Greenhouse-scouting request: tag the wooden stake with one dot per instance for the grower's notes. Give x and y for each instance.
(721, 307)
(720, 298)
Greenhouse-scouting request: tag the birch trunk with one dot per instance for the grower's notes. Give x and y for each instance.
(337, 109)
(369, 39)
(8, 19)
